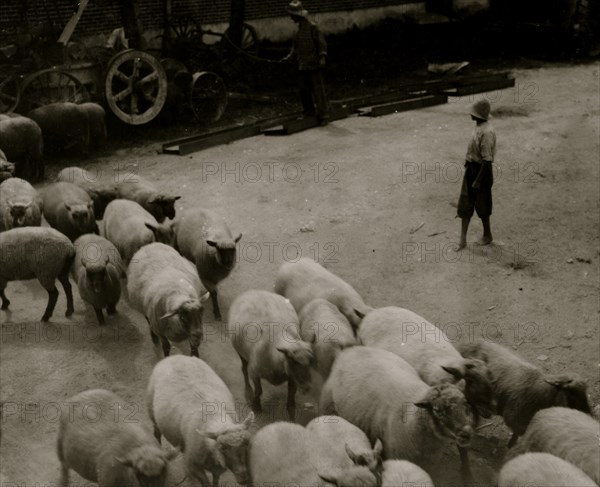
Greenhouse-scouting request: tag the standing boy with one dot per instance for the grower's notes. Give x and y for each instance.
(476, 191)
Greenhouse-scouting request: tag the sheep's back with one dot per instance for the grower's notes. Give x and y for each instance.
(397, 473)
(323, 319)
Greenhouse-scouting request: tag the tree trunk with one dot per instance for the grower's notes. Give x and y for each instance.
(236, 21)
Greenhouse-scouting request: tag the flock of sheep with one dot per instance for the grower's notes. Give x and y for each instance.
(390, 403)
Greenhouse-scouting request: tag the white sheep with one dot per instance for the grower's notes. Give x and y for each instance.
(69, 209)
(98, 270)
(102, 193)
(340, 445)
(264, 331)
(542, 469)
(20, 205)
(165, 288)
(285, 454)
(566, 433)
(191, 406)
(40, 253)
(205, 239)
(327, 330)
(143, 192)
(305, 280)
(375, 390)
(431, 353)
(521, 389)
(129, 227)
(400, 473)
(97, 441)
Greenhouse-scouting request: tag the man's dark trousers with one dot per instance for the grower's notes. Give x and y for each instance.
(312, 93)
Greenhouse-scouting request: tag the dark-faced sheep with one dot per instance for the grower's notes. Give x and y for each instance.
(205, 239)
(69, 209)
(305, 280)
(165, 288)
(98, 270)
(129, 227)
(566, 433)
(431, 353)
(40, 253)
(20, 205)
(264, 331)
(159, 205)
(375, 390)
(64, 125)
(543, 469)
(285, 454)
(22, 143)
(521, 389)
(191, 407)
(102, 446)
(102, 193)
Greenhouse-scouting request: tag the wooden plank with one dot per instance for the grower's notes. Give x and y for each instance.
(480, 87)
(405, 105)
(185, 147)
(72, 23)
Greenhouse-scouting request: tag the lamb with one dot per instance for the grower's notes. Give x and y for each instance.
(40, 253)
(566, 433)
(22, 143)
(188, 403)
(542, 469)
(205, 239)
(284, 454)
(375, 390)
(101, 193)
(340, 445)
(428, 349)
(20, 205)
(69, 209)
(129, 227)
(142, 191)
(328, 330)
(264, 331)
(165, 288)
(102, 447)
(305, 280)
(64, 125)
(521, 389)
(97, 270)
(400, 473)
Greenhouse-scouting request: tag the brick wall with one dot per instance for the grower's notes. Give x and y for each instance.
(16, 16)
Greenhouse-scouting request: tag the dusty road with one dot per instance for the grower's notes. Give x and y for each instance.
(352, 195)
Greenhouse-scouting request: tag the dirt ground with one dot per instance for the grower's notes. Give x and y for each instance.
(353, 195)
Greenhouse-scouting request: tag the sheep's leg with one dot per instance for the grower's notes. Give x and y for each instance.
(154, 337)
(215, 477)
(513, 440)
(100, 316)
(166, 346)
(256, 406)
(157, 433)
(64, 476)
(248, 388)
(215, 303)
(111, 309)
(52, 298)
(194, 351)
(5, 301)
(64, 280)
(291, 399)
(465, 467)
(202, 478)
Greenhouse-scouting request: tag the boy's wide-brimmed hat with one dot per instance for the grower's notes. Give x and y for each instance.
(481, 109)
(295, 8)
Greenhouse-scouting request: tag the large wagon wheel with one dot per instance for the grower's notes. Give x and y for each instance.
(249, 39)
(10, 93)
(208, 97)
(135, 86)
(50, 86)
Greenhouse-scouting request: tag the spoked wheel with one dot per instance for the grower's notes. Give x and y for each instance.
(51, 86)
(10, 93)
(208, 97)
(183, 31)
(135, 86)
(249, 39)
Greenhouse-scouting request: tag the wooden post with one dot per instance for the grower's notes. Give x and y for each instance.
(131, 23)
(236, 21)
(167, 12)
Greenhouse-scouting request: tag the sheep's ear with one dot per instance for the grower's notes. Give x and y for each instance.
(424, 404)
(328, 477)
(238, 238)
(172, 453)
(168, 315)
(176, 198)
(248, 421)
(212, 435)
(123, 461)
(212, 243)
(362, 312)
(28, 204)
(378, 447)
(67, 206)
(283, 350)
(204, 297)
(150, 226)
(10, 203)
(353, 456)
(456, 372)
(559, 381)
